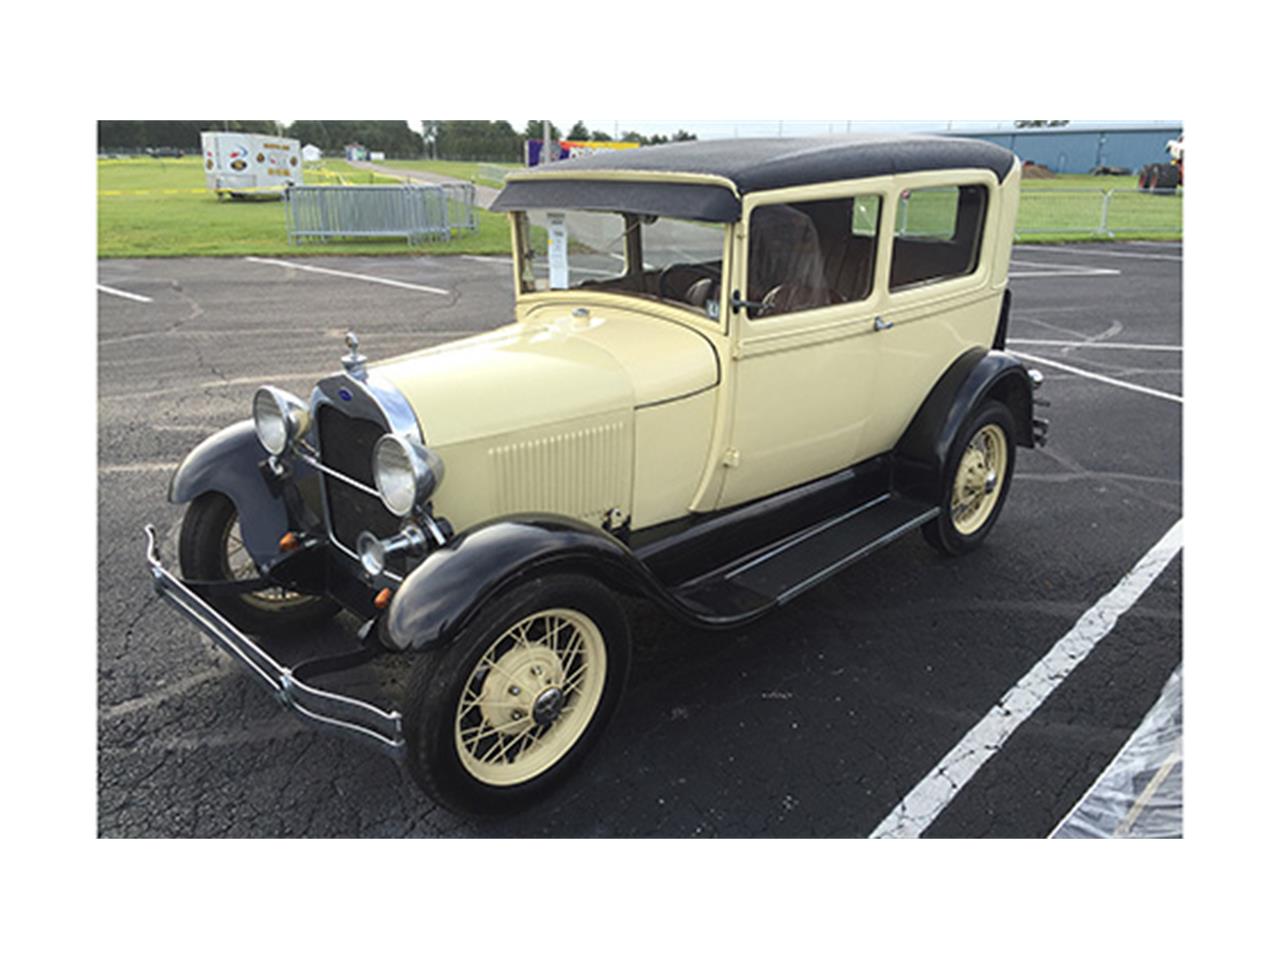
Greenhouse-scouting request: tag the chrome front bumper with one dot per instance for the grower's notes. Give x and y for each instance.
(366, 722)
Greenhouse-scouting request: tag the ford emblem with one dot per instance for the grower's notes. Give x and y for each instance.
(344, 393)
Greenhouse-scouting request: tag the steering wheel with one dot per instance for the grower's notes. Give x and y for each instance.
(702, 269)
(789, 298)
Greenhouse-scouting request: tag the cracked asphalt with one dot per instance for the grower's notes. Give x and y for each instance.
(815, 722)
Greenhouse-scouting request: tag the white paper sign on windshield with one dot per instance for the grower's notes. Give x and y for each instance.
(558, 251)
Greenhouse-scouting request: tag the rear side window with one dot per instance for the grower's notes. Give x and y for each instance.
(938, 234)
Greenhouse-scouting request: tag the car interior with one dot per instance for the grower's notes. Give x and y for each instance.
(803, 256)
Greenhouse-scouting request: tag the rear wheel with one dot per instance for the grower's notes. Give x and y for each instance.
(1165, 177)
(503, 714)
(978, 473)
(211, 547)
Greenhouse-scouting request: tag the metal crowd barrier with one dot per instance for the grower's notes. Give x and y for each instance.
(492, 172)
(414, 211)
(1099, 212)
(461, 200)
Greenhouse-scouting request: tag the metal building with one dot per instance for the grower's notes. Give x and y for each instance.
(1079, 149)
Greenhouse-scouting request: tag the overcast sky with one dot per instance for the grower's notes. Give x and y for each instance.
(772, 128)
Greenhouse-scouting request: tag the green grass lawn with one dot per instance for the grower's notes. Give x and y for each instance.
(160, 208)
(1074, 201)
(1065, 208)
(459, 169)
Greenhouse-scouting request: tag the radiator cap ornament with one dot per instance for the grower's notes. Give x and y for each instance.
(354, 360)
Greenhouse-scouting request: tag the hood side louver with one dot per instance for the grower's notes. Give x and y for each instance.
(580, 473)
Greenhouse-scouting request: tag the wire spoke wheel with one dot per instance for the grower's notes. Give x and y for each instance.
(239, 565)
(979, 479)
(530, 697)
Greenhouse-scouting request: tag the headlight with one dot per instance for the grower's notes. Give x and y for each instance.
(279, 418)
(406, 473)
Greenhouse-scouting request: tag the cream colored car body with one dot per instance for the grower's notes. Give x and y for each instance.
(596, 405)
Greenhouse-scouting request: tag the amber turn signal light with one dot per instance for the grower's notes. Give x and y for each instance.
(289, 542)
(383, 598)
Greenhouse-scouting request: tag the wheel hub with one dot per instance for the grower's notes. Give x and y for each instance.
(517, 683)
(547, 707)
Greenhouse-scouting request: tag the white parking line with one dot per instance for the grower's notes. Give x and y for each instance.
(1061, 267)
(138, 467)
(1057, 270)
(103, 288)
(1090, 375)
(1101, 345)
(928, 798)
(261, 378)
(149, 701)
(1064, 274)
(350, 276)
(1081, 251)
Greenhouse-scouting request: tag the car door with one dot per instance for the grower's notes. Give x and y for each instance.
(804, 374)
(941, 299)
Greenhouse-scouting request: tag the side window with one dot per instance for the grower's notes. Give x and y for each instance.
(866, 216)
(804, 256)
(938, 234)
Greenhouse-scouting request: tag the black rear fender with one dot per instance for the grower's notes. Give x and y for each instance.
(976, 376)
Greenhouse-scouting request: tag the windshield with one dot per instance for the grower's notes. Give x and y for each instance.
(677, 261)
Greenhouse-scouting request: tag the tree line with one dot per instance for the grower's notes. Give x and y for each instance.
(393, 137)
(495, 140)
(182, 134)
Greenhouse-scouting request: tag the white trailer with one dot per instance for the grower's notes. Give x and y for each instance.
(243, 164)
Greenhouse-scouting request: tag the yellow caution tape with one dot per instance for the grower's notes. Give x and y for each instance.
(130, 193)
(311, 174)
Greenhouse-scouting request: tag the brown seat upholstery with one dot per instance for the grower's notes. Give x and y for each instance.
(785, 253)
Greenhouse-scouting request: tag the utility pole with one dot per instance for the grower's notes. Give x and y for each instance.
(546, 143)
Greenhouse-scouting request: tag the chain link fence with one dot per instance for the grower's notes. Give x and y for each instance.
(1101, 213)
(416, 212)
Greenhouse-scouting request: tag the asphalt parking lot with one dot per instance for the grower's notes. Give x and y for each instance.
(817, 721)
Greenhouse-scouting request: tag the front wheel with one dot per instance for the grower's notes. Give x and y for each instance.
(502, 715)
(978, 473)
(211, 547)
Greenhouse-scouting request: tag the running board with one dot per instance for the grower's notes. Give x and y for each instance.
(769, 577)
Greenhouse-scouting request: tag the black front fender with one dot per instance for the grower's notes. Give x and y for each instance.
(230, 463)
(974, 377)
(452, 583)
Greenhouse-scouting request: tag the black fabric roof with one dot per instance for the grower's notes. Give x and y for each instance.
(751, 165)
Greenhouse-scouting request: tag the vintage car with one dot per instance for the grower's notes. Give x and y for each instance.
(735, 369)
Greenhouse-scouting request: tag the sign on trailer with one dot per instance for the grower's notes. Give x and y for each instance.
(246, 163)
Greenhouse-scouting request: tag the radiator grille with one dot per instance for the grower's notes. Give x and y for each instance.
(346, 445)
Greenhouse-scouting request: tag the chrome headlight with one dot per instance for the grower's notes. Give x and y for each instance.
(406, 473)
(279, 418)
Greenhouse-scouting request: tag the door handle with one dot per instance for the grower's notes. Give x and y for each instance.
(882, 324)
